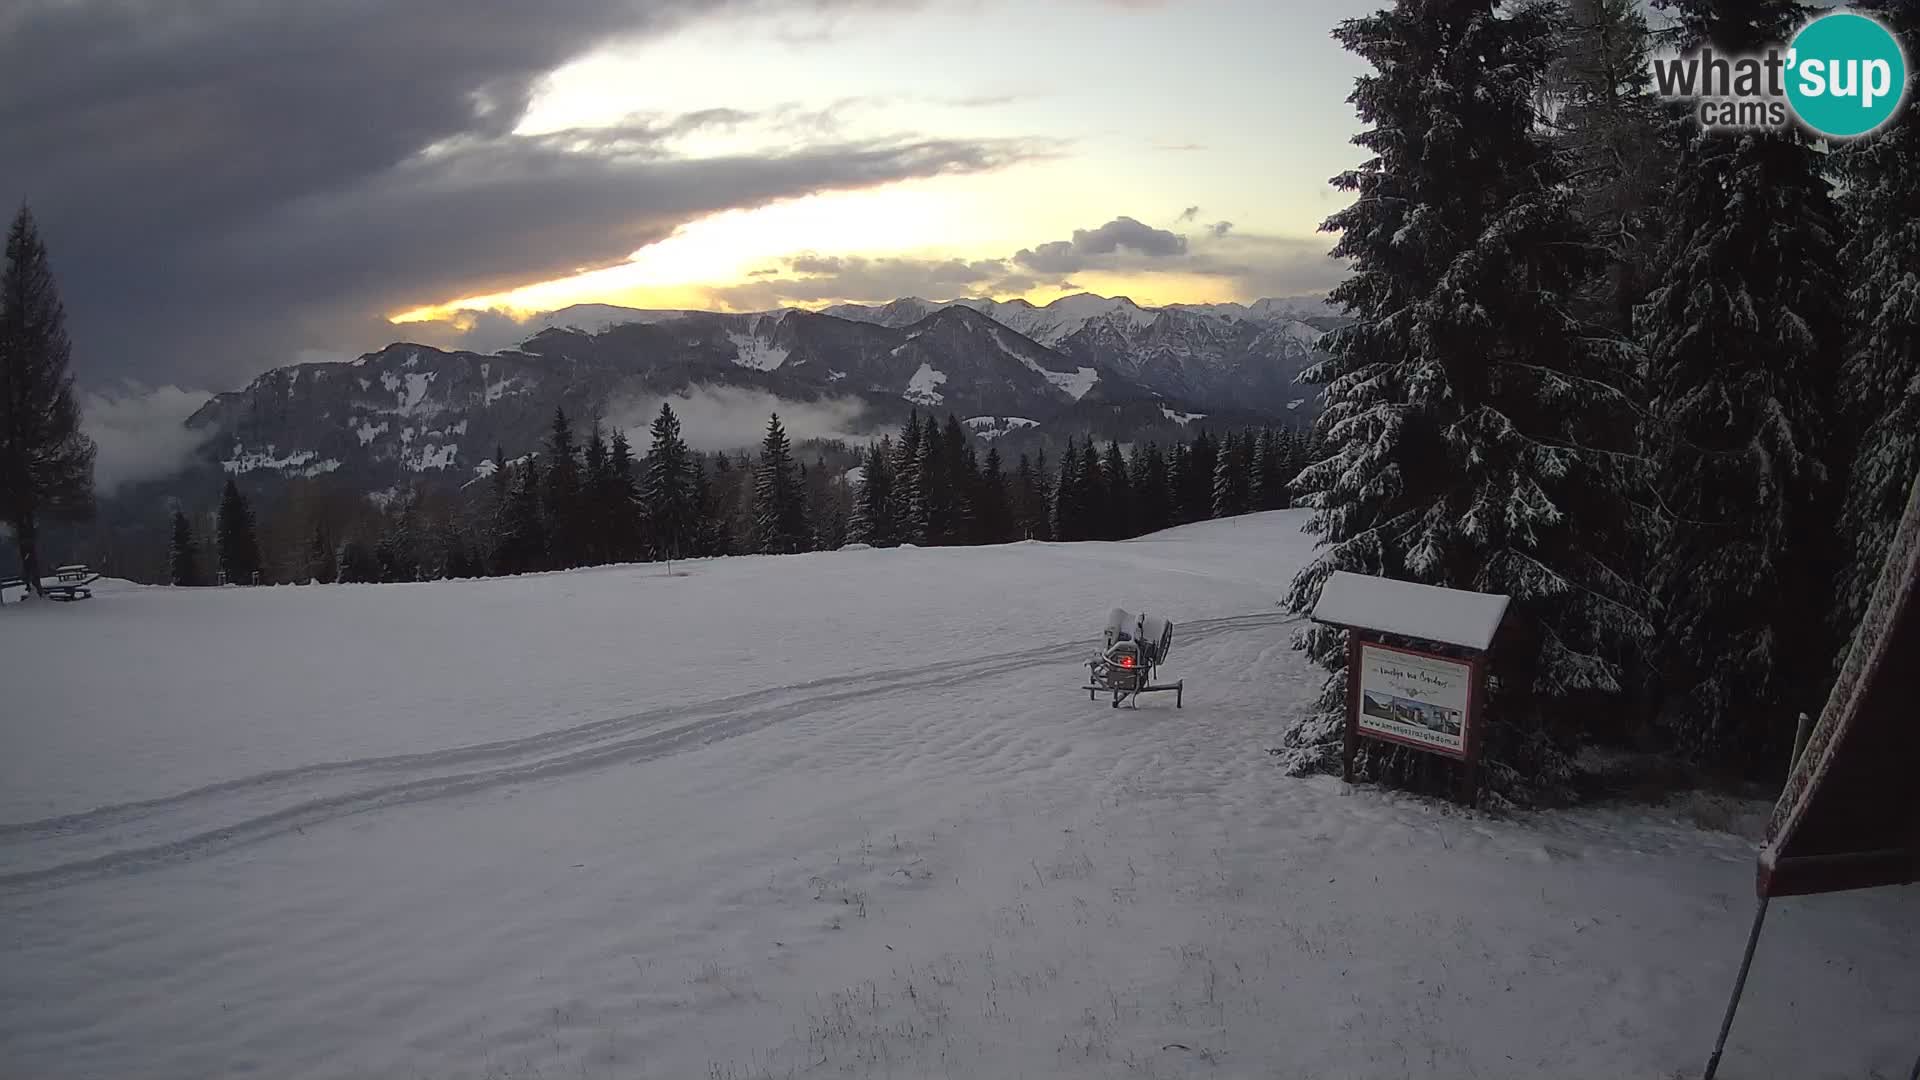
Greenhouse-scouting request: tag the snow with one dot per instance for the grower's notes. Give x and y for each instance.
(1451, 616)
(1181, 417)
(1074, 384)
(855, 476)
(992, 427)
(500, 388)
(429, 456)
(921, 388)
(292, 463)
(851, 816)
(369, 432)
(753, 352)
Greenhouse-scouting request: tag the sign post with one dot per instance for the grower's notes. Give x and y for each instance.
(1427, 695)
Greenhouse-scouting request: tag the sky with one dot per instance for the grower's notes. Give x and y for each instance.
(234, 185)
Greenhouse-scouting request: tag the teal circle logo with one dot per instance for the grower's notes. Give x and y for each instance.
(1846, 75)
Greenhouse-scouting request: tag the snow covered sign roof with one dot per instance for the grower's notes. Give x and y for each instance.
(1428, 612)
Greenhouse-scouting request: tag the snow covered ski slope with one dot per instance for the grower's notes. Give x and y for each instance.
(832, 814)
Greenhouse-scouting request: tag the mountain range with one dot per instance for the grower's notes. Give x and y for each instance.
(1083, 364)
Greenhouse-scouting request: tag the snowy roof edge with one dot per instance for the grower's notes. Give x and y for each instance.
(1429, 612)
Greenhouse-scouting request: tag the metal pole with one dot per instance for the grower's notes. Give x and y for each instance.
(1739, 984)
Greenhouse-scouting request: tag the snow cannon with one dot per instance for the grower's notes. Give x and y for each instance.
(1133, 648)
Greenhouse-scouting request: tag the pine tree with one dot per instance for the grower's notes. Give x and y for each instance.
(562, 496)
(357, 562)
(1224, 504)
(322, 561)
(948, 514)
(1179, 467)
(1608, 125)
(972, 493)
(873, 505)
(500, 500)
(918, 526)
(46, 462)
(398, 548)
(824, 516)
(779, 514)
(521, 542)
(1463, 405)
(994, 510)
(1152, 496)
(1196, 498)
(596, 495)
(239, 549)
(1041, 518)
(1264, 486)
(668, 494)
(1025, 498)
(906, 479)
(1880, 381)
(700, 531)
(1068, 498)
(623, 501)
(1289, 458)
(183, 557)
(1116, 511)
(722, 507)
(1743, 331)
(1094, 501)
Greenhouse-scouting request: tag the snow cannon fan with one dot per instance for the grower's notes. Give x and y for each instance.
(1133, 649)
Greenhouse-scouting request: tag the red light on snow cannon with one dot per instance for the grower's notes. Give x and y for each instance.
(1126, 661)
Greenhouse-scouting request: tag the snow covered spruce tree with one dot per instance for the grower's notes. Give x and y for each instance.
(1743, 332)
(779, 512)
(46, 461)
(1460, 404)
(667, 492)
(1880, 379)
(1610, 127)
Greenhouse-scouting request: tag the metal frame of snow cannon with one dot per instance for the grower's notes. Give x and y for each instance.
(1134, 649)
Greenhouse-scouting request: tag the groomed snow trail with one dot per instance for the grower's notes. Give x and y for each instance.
(841, 814)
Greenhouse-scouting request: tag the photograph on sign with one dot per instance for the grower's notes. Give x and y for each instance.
(1413, 698)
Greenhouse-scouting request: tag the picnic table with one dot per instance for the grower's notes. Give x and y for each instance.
(71, 582)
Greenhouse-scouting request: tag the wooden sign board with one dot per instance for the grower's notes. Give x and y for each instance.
(1425, 699)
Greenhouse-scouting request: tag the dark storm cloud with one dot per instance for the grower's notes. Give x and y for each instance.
(1122, 233)
(225, 183)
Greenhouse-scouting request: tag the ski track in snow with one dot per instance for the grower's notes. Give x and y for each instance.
(225, 815)
(845, 820)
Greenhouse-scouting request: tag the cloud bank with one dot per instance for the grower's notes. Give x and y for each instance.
(720, 418)
(141, 433)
